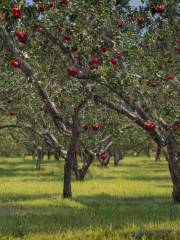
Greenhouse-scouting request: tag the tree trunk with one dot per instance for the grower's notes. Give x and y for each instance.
(158, 153)
(174, 168)
(148, 152)
(81, 172)
(49, 154)
(118, 156)
(71, 154)
(39, 153)
(67, 193)
(57, 154)
(33, 154)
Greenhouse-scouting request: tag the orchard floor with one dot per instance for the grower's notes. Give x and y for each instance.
(129, 202)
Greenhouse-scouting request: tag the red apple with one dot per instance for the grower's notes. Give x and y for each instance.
(15, 63)
(95, 59)
(104, 156)
(41, 7)
(150, 126)
(64, 1)
(121, 24)
(40, 29)
(73, 71)
(12, 114)
(160, 8)
(85, 126)
(176, 126)
(140, 20)
(114, 60)
(169, 76)
(177, 40)
(16, 11)
(45, 109)
(22, 36)
(94, 49)
(52, 4)
(104, 49)
(67, 37)
(96, 126)
(6, 50)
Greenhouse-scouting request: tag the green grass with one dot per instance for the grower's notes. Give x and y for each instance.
(130, 202)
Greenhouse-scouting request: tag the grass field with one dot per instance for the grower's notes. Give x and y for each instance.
(129, 202)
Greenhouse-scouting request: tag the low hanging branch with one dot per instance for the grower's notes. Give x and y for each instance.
(55, 40)
(32, 77)
(120, 109)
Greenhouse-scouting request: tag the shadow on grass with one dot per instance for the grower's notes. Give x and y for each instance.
(12, 198)
(127, 175)
(147, 178)
(98, 211)
(21, 214)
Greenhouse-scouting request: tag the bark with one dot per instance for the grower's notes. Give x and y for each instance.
(155, 135)
(147, 151)
(87, 160)
(33, 155)
(39, 155)
(49, 154)
(118, 156)
(174, 168)
(158, 153)
(67, 193)
(57, 154)
(165, 153)
(71, 154)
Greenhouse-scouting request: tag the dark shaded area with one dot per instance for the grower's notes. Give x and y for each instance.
(12, 198)
(147, 178)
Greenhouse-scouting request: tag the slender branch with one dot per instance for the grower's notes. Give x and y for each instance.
(125, 96)
(8, 43)
(108, 146)
(47, 134)
(120, 109)
(55, 40)
(30, 74)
